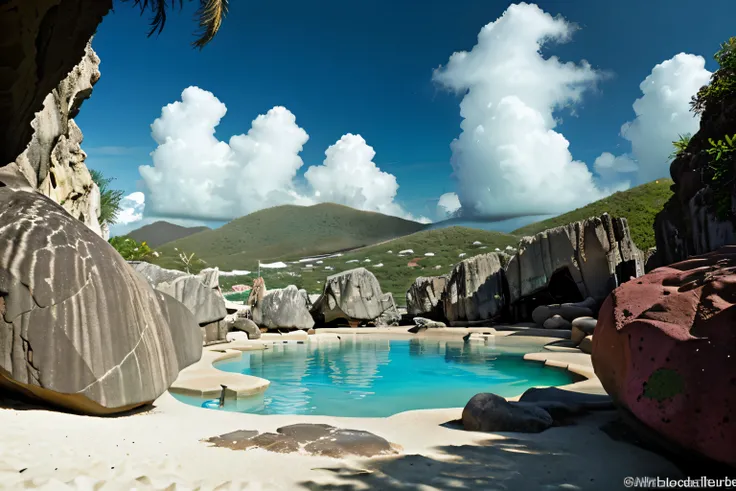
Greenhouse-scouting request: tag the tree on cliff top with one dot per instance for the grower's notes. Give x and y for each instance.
(210, 14)
(723, 81)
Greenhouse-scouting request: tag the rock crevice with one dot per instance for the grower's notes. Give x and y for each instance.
(53, 163)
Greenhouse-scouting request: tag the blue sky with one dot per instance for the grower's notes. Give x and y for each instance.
(366, 68)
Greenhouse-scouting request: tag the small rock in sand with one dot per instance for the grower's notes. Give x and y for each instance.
(489, 412)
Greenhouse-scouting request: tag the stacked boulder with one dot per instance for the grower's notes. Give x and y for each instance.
(240, 321)
(355, 296)
(199, 293)
(562, 316)
(597, 252)
(582, 333)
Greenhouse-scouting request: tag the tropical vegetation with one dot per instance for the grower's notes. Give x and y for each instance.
(722, 82)
(109, 198)
(210, 13)
(132, 250)
(680, 145)
(722, 174)
(433, 252)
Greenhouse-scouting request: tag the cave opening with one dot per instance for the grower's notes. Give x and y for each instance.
(561, 288)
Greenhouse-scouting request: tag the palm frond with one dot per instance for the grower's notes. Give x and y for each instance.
(210, 13)
(159, 8)
(109, 198)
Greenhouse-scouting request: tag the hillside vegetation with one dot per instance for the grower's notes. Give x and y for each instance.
(373, 241)
(395, 273)
(638, 205)
(289, 232)
(159, 233)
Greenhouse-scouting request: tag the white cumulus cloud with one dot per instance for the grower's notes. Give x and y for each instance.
(131, 208)
(508, 158)
(349, 177)
(196, 175)
(448, 205)
(662, 115)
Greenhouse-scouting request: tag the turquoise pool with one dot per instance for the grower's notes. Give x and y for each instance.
(364, 376)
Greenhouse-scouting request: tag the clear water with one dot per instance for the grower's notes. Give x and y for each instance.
(369, 377)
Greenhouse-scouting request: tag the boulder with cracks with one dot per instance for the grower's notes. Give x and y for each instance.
(80, 329)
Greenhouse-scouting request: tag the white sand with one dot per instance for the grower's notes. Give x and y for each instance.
(162, 449)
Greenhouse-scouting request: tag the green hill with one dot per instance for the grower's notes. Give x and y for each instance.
(393, 271)
(288, 232)
(638, 205)
(159, 233)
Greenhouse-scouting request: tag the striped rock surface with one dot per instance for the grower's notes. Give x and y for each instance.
(80, 328)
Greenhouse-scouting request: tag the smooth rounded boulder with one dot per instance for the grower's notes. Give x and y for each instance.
(582, 327)
(665, 349)
(568, 311)
(556, 322)
(489, 412)
(80, 328)
(282, 308)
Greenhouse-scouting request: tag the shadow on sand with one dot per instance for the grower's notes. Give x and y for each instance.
(517, 462)
(19, 402)
(509, 464)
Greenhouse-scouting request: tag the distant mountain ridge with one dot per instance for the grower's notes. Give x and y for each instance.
(161, 232)
(289, 232)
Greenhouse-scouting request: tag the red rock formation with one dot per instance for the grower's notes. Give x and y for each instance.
(665, 349)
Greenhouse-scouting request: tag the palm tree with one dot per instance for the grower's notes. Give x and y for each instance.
(109, 198)
(210, 15)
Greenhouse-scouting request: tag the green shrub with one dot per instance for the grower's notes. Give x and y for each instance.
(130, 249)
(723, 81)
(722, 174)
(680, 145)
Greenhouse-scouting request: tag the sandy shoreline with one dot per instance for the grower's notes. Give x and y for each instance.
(164, 447)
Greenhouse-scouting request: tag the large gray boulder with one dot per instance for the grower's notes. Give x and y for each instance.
(353, 295)
(489, 412)
(202, 300)
(597, 252)
(424, 297)
(475, 289)
(282, 308)
(79, 327)
(54, 162)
